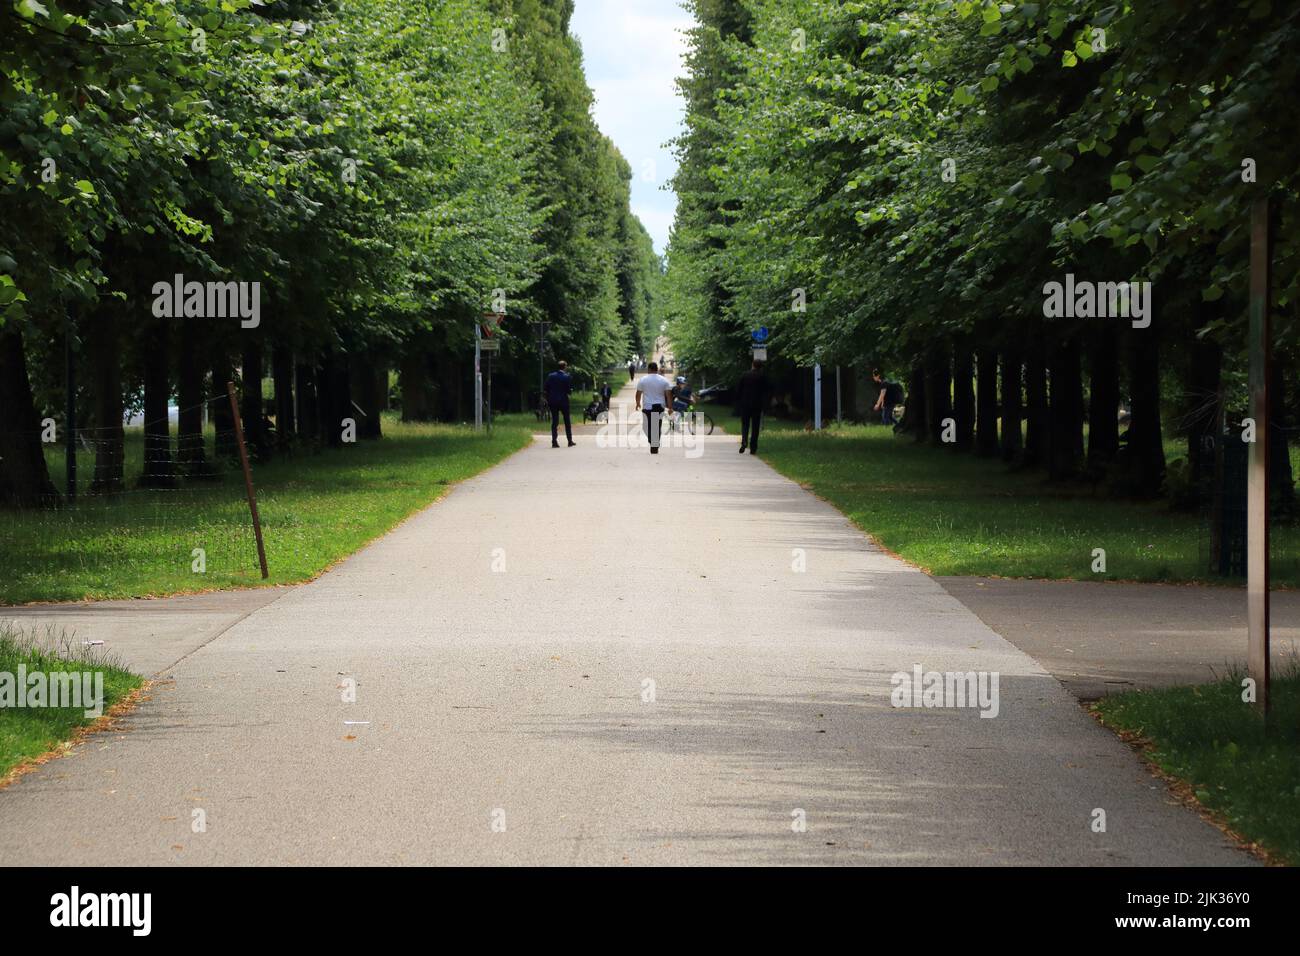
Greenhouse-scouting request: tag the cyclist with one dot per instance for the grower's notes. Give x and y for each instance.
(682, 395)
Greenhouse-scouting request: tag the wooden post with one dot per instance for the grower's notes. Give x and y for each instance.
(1257, 570)
(248, 478)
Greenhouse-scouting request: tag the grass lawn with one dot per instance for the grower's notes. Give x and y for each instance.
(1208, 739)
(952, 513)
(27, 732)
(315, 510)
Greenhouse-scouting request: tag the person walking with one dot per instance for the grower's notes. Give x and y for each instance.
(558, 386)
(891, 395)
(653, 389)
(752, 395)
(606, 393)
(631, 371)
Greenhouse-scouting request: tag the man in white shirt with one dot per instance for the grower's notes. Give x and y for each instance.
(654, 389)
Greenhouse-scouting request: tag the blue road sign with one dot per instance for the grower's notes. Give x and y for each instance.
(760, 335)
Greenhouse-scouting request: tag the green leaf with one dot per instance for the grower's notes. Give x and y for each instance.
(31, 9)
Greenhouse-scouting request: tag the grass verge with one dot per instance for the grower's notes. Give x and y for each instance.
(956, 514)
(1214, 745)
(28, 732)
(316, 509)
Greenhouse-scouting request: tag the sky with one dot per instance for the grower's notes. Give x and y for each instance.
(632, 51)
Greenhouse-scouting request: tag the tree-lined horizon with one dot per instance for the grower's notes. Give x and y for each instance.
(893, 184)
(386, 170)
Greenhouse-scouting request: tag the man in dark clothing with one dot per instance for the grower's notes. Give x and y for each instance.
(558, 386)
(891, 395)
(751, 400)
(631, 371)
(606, 393)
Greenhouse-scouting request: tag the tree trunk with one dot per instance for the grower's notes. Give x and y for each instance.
(1144, 456)
(106, 384)
(308, 395)
(250, 405)
(986, 402)
(159, 466)
(1103, 402)
(1203, 401)
(24, 475)
(1066, 412)
(1037, 436)
(963, 395)
(190, 397)
(223, 419)
(336, 400)
(417, 397)
(449, 391)
(938, 393)
(282, 373)
(1012, 406)
(1281, 479)
(913, 422)
(370, 382)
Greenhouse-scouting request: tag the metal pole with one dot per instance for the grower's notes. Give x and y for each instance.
(817, 396)
(1257, 570)
(248, 478)
(70, 415)
(489, 393)
(478, 378)
(839, 398)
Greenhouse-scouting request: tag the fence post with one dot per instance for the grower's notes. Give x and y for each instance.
(248, 478)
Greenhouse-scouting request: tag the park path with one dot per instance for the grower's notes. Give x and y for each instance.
(504, 643)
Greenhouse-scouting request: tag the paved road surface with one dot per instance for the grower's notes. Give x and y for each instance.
(503, 643)
(1100, 638)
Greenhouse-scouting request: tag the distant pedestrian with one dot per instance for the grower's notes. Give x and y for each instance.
(653, 389)
(891, 396)
(606, 393)
(631, 371)
(752, 396)
(558, 386)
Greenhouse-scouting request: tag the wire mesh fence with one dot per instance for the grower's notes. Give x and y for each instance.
(143, 500)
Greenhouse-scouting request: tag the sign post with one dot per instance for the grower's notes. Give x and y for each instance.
(759, 339)
(478, 378)
(817, 397)
(1257, 570)
(488, 343)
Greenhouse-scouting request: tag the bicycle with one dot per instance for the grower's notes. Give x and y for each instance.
(690, 421)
